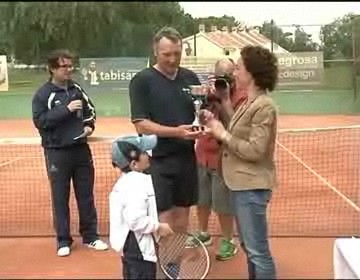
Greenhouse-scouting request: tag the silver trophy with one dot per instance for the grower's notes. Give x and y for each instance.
(198, 94)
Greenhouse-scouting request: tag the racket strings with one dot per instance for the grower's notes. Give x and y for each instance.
(180, 262)
(194, 264)
(171, 249)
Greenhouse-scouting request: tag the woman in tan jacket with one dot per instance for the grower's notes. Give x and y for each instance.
(248, 145)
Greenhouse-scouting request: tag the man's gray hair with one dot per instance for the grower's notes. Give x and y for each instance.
(224, 66)
(224, 60)
(169, 33)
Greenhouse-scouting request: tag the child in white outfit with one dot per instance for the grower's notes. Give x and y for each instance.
(133, 211)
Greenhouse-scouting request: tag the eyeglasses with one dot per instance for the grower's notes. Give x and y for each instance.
(67, 66)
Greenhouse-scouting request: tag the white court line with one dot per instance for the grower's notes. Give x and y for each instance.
(316, 129)
(322, 179)
(295, 90)
(9, 162)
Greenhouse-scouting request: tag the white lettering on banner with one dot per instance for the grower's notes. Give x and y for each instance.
(295, 60)
(297, 74)
(113, 75)
(98, 72)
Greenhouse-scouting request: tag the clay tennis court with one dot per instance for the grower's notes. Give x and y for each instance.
(317, 199)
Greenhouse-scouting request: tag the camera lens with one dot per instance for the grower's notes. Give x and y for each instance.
(220, 84)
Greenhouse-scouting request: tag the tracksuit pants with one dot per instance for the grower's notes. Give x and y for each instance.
(133, 264)
(63, 165)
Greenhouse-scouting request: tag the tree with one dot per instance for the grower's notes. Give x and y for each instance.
(273, 32)
(337, 37)
(91, 29)
(294, 42)
(35, 28)
(303, 41)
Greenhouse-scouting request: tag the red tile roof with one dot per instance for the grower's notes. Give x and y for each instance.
(235, 39)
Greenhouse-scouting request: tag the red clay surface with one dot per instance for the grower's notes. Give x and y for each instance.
(35, 258)
(302, 204)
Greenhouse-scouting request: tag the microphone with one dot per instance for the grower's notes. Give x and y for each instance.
(79, 114)
(78, 96)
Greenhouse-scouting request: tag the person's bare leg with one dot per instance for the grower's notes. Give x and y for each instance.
(228, 249)
(165, 217)
(227, 225)
(182, 222)
(181, 218)
(203, 214)
(178, 219)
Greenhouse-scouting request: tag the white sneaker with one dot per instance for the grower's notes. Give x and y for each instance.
(63, 251)
(98, 245)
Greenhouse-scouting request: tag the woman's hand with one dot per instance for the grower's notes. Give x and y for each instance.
(205, 116)
(216, 129)
(213, 126)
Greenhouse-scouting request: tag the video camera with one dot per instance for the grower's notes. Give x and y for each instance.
(222, 82)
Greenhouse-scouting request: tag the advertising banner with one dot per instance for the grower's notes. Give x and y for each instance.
(4, 80)
(109, 74)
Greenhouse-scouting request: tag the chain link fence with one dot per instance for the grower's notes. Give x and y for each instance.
(326, 56)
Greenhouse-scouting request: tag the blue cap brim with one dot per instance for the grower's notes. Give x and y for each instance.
(147, 142)
(144, 142)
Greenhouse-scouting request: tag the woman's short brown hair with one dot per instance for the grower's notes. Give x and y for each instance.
(262, 65)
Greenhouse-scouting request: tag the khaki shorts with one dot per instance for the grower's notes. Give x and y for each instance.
(213, 193)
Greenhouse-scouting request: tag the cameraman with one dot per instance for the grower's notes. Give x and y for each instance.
(213, 194)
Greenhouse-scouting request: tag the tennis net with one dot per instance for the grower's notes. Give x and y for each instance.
(318, 192)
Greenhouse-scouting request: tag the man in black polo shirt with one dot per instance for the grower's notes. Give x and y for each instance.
(161, 106)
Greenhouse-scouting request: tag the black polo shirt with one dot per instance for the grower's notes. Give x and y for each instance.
(155, 97)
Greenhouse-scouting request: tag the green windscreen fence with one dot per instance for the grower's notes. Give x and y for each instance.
(98, 75)
(356, 44)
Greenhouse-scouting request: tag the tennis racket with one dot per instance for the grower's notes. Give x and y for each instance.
(179, 262)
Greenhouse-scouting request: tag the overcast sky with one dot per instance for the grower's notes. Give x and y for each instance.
(255, 13)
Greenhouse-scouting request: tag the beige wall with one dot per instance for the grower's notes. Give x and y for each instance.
(204, 48)
(206, 55)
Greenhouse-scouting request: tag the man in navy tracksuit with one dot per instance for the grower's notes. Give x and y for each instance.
(64, 116)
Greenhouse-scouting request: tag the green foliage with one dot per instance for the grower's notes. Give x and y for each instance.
(337, 37)
(294, 42)
(94, 29)
(30, 30)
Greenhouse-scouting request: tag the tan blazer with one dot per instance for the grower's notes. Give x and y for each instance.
(248, 155)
